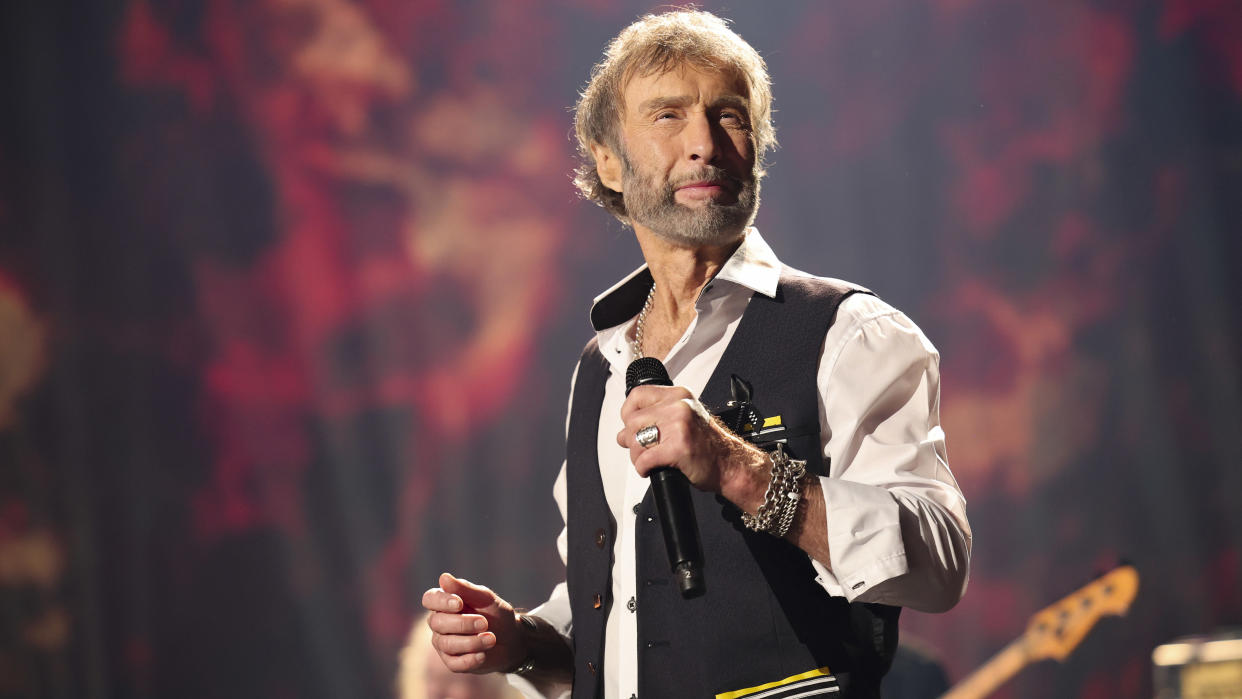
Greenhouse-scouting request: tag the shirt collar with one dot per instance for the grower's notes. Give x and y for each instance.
(753, 265)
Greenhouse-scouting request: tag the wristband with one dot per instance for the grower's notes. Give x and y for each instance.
(526, 666)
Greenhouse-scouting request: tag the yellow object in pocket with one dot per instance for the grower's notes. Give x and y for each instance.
(805, 684)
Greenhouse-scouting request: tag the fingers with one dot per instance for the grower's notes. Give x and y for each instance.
(461, 638)
(644, 397)
(453, 644)
(467, 661)
(442, 623)
(676, 418)
(440, 599)
(669, 451)
(646, 460)
(469, 594)
(451, 606)
(665, 414)
(437, 600)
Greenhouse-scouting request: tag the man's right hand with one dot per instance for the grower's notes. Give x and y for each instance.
(472, 628)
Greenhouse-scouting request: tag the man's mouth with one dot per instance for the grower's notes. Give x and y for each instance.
(705, 189)
(704, 185)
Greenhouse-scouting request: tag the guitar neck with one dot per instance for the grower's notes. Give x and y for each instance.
(992, 674)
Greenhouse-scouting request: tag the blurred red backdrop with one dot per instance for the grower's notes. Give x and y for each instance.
(290, 294)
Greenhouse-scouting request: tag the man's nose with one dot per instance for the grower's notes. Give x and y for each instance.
(702, 139)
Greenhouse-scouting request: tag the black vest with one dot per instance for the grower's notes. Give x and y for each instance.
(763, 618)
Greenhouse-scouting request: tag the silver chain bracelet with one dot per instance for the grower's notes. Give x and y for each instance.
(780, 502)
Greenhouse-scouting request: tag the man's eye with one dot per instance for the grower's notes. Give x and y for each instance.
(666, 115)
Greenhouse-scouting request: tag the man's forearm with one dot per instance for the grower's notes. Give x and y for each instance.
(746, 487)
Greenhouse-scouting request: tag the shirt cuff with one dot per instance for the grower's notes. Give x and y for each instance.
(530, 691)
(864, 538)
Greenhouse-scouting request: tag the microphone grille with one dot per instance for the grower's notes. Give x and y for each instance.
(646, 370)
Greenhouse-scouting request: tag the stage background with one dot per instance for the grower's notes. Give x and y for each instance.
(291, 292)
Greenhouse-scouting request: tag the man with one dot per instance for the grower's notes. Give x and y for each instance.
(805, 574)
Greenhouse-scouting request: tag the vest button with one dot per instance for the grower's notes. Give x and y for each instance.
(636, 509)
(598, 601)
(632, 605)
(601, 537)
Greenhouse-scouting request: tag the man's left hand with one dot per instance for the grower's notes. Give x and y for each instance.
(692, 441)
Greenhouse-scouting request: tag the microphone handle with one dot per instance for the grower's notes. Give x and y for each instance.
(671, 492)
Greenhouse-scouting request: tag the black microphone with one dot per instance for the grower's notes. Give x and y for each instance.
(671, 491)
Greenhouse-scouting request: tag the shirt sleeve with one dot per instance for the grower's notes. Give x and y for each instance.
(896, 518)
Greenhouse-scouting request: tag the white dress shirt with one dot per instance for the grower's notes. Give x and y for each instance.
(896, 519)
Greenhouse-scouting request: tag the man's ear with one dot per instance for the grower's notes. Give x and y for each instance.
(608, 165)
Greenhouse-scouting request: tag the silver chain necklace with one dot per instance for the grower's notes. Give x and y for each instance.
(637, 343)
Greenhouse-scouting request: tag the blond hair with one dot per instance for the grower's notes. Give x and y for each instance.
(657, 44)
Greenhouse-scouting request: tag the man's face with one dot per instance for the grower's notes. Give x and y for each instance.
(687, 163)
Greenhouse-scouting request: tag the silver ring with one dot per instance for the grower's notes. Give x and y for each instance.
(648, 436)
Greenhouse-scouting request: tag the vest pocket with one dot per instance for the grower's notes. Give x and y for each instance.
(812, 683)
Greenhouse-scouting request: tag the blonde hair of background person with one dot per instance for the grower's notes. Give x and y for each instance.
(421, 675)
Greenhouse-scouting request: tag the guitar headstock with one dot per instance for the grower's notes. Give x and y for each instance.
(1056, 631)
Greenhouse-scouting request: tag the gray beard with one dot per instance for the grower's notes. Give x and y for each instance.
(714, 224)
